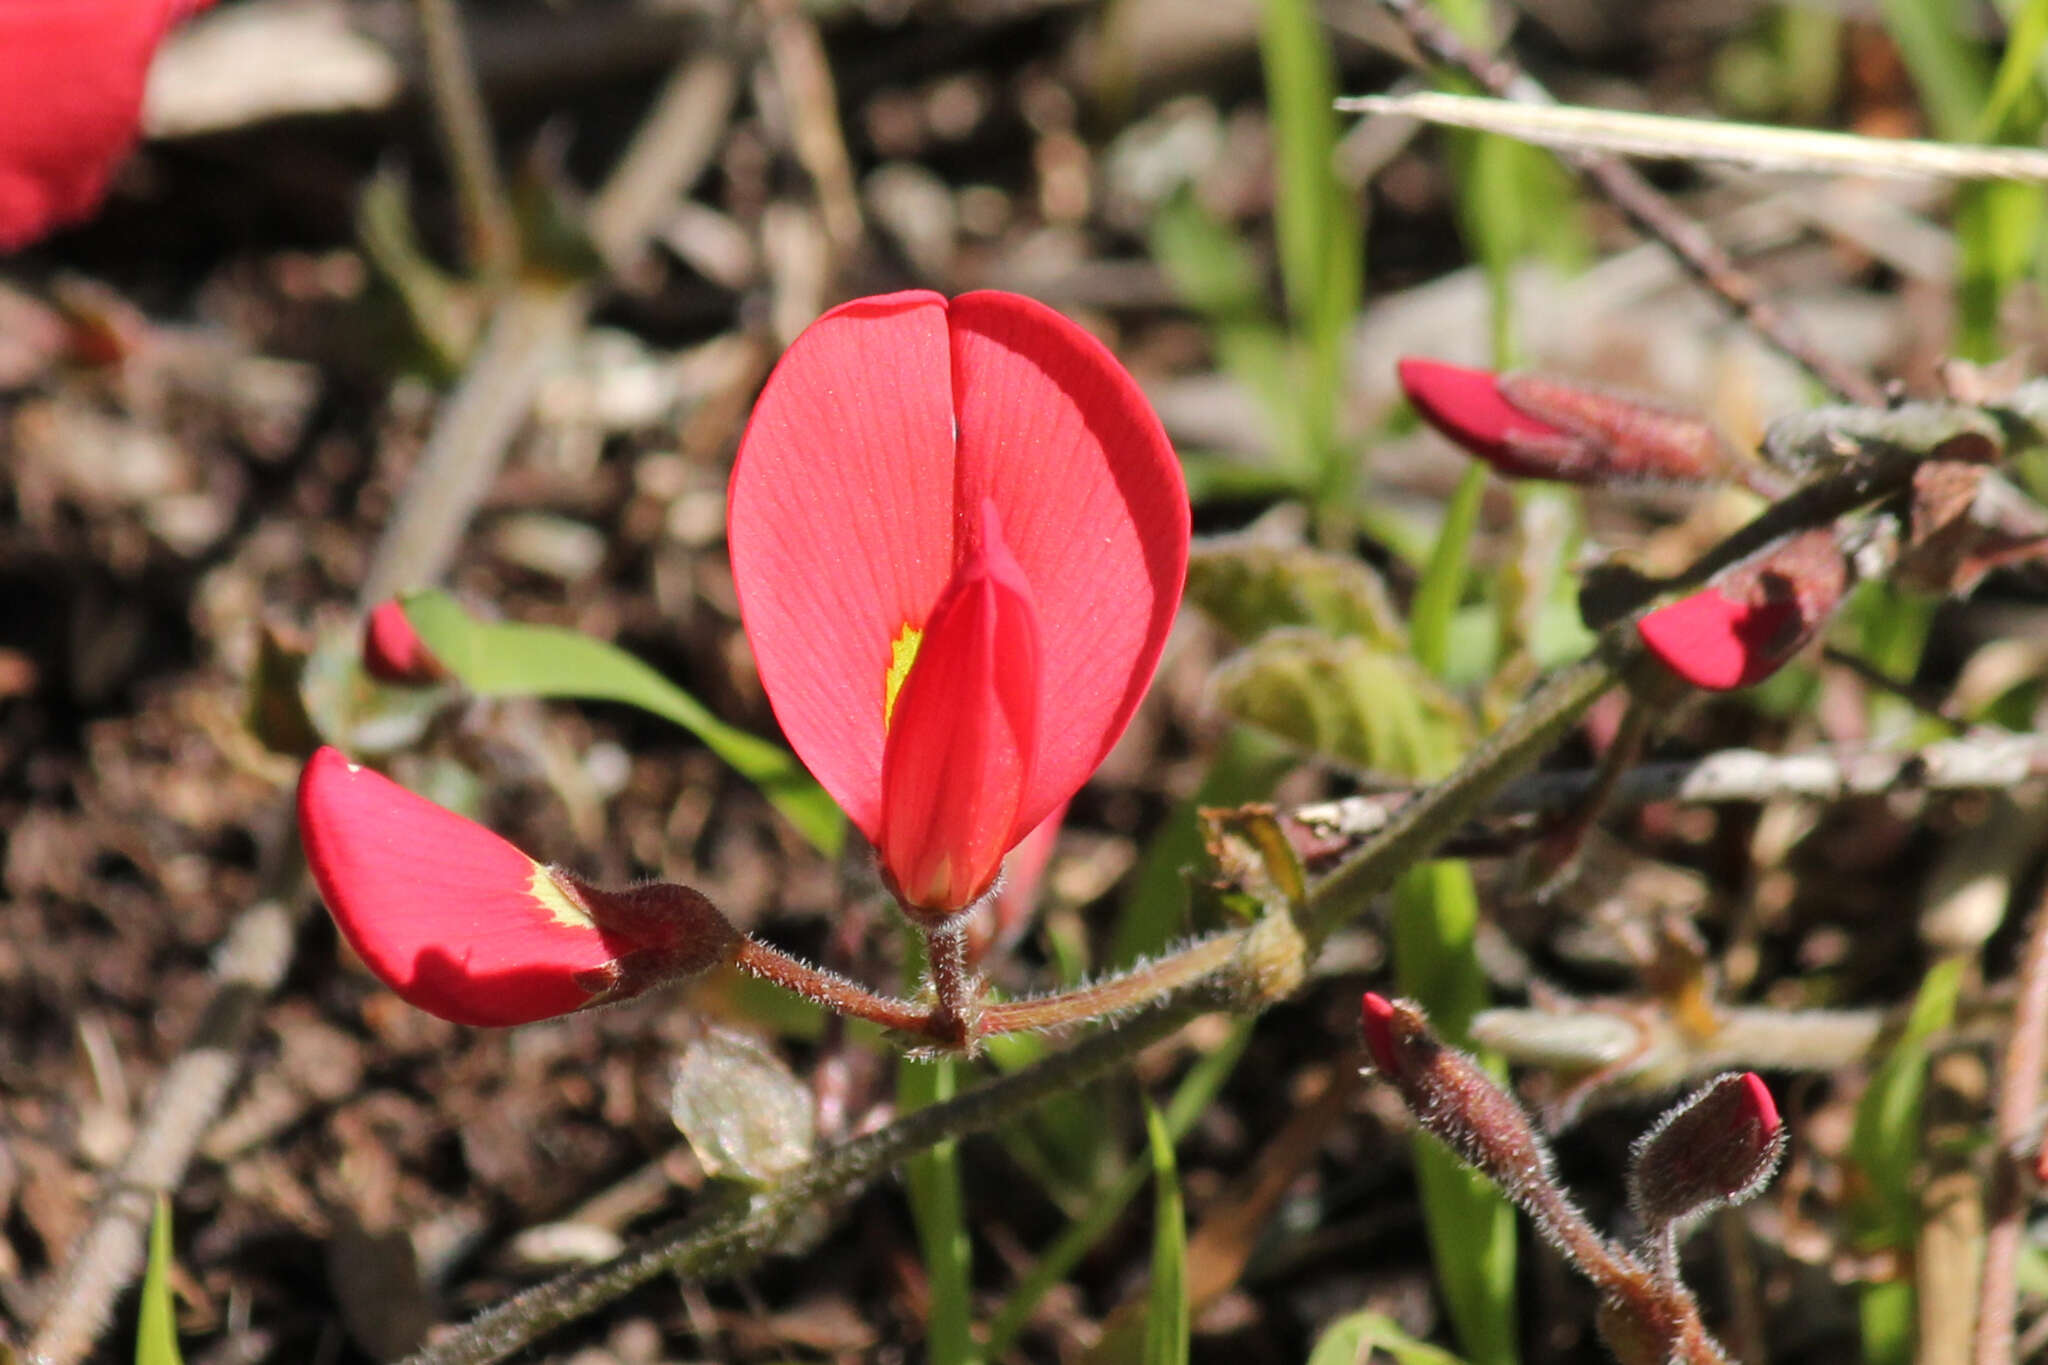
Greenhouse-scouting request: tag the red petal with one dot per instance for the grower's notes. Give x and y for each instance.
(72, 72)
(849, 500)
(1093, 503)
(840, 523)
(1763, 1109)
(455, 919)
(963, 732)
(1378, 1014)
(393, 651)
(1467, 406)
(1717, 643)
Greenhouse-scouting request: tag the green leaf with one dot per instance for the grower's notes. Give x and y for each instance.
(1249, 587)
(2018, 69)
(504, 659)
(1210, 267)
(940, 1213)
(1884, 1148)
(1341, 698)
(1947, 69)
(1167, 1319)
(156, 1332)
(1443, 583)
(1321, 241)
(1196, 1091)
(1352, 1339)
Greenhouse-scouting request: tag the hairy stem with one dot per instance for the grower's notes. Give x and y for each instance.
(733, 1234)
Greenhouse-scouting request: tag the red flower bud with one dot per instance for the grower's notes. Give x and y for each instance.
(1530, 427)
(393, 651)
(1719, 1146)
(1744, 627)
(465, 926)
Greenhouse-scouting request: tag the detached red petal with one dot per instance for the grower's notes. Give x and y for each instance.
(393, 651)
(855, 495)
(965, 727)
(455, 919)
(1468, 407)
(72, 73)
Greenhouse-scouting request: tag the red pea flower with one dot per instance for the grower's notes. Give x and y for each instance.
(72, 73)
(464, 926)
(958, 536)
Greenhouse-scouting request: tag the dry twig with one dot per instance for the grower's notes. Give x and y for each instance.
(1646, 207)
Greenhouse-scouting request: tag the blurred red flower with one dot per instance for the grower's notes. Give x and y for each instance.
(72, 72)
(959, 536)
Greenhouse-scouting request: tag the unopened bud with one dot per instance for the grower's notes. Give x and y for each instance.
(1531, 427)
(1746, 625)
(1717, 1147)
(393, 651)
(1455, 1101)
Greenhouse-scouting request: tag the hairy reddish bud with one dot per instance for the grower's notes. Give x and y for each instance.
(393, 651)
(1719, 1146)
(1744, 627)
(1531, 427)
(1456, 1102)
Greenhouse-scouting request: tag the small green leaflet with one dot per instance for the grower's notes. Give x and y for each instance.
(504, 659)
(1167, 1315)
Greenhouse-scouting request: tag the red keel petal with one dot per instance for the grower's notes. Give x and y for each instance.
(964, 729)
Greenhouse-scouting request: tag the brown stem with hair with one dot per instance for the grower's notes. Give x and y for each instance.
(956, 990)
(832, 991)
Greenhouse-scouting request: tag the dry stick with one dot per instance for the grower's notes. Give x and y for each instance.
(2019, 1096)
(1988, 761)
(671, 149)
(489, 229)
(1656, 215)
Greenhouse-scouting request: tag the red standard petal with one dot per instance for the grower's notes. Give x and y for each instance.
(1060, 437)
(455, 919)
(963, 733)
(1467, 406)
(393, 651)
(72, 73)
(840, 524)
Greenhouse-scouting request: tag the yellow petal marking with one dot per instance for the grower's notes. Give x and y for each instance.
(902, 654)
(554, 899)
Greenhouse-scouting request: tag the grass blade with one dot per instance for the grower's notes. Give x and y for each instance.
(940, 1213)
(1167, 1319)
(156, 1332)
